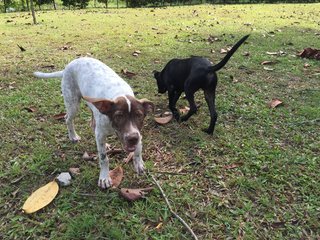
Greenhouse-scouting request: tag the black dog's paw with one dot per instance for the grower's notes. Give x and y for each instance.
(176, 116)
(208, 131)
(184, 118)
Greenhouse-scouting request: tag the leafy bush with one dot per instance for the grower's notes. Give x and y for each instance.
(75, 3)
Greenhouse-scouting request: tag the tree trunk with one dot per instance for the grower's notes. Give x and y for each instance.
(33, 13)
(54, 5)
(117, 3)
(5, 6)
(28, 8)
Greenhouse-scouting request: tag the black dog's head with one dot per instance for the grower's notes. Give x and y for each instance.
(162, 88)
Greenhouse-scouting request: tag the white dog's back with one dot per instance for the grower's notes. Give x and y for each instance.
(86, 72)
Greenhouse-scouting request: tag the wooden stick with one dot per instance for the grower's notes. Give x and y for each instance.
(170, 173)
(170, 208)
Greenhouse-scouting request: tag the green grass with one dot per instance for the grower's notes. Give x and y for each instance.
(273, 193)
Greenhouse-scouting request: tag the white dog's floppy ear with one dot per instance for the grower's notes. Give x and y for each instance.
(103, 105)
(147, 105)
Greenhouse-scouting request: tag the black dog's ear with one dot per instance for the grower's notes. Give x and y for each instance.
(155, 73)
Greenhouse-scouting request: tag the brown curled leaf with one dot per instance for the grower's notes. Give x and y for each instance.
(163, 120)
(59, 116)
(116, 176)
(134, 194)
(275, 103)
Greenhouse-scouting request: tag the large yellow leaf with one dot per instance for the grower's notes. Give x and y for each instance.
(41, 197)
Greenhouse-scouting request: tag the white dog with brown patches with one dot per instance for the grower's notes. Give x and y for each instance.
(113, 105)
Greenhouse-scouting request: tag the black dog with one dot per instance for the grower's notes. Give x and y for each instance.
(189, 75)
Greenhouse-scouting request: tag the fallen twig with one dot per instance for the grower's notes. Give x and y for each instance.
(129, 158)
(88, 194)
(170, 173)
(114, 151)
(170, 208)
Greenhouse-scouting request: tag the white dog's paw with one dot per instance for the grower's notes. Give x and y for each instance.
(139, 167)
(105, 183)
(76, 138)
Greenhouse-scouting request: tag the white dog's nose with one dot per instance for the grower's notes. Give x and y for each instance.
(132, 138)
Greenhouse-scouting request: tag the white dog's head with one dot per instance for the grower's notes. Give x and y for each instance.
(126, 114)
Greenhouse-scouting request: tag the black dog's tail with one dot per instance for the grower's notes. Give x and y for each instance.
(228, 56)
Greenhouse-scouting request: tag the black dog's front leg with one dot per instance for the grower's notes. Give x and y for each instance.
(173, 98)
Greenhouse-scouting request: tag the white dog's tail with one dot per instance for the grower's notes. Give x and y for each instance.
(49, 75)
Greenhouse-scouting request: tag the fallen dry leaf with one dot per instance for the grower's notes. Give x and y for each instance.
(159, 226)
(163, 120)
(134, 194)
(267, 63)
(88, 157)
(274, 103)
(116, 176)
(280, 53)
(11, 85)
(268, 69)
(128, 73)
(310, 53)
(184, 110)
(59, 116)
(222, 51)
(272, 53)
(74, 171)
(212, 39)
(65, 47)
(30, 109)
(136, 53)
(233, 165)
(41, 197)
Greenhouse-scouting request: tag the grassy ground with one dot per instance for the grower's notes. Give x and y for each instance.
(257, 177)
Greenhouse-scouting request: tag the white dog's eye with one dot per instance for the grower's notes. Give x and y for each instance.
(118, 116)
(139, 115)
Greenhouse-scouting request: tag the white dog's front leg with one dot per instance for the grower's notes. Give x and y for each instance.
(138, 163)
(104, 178)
